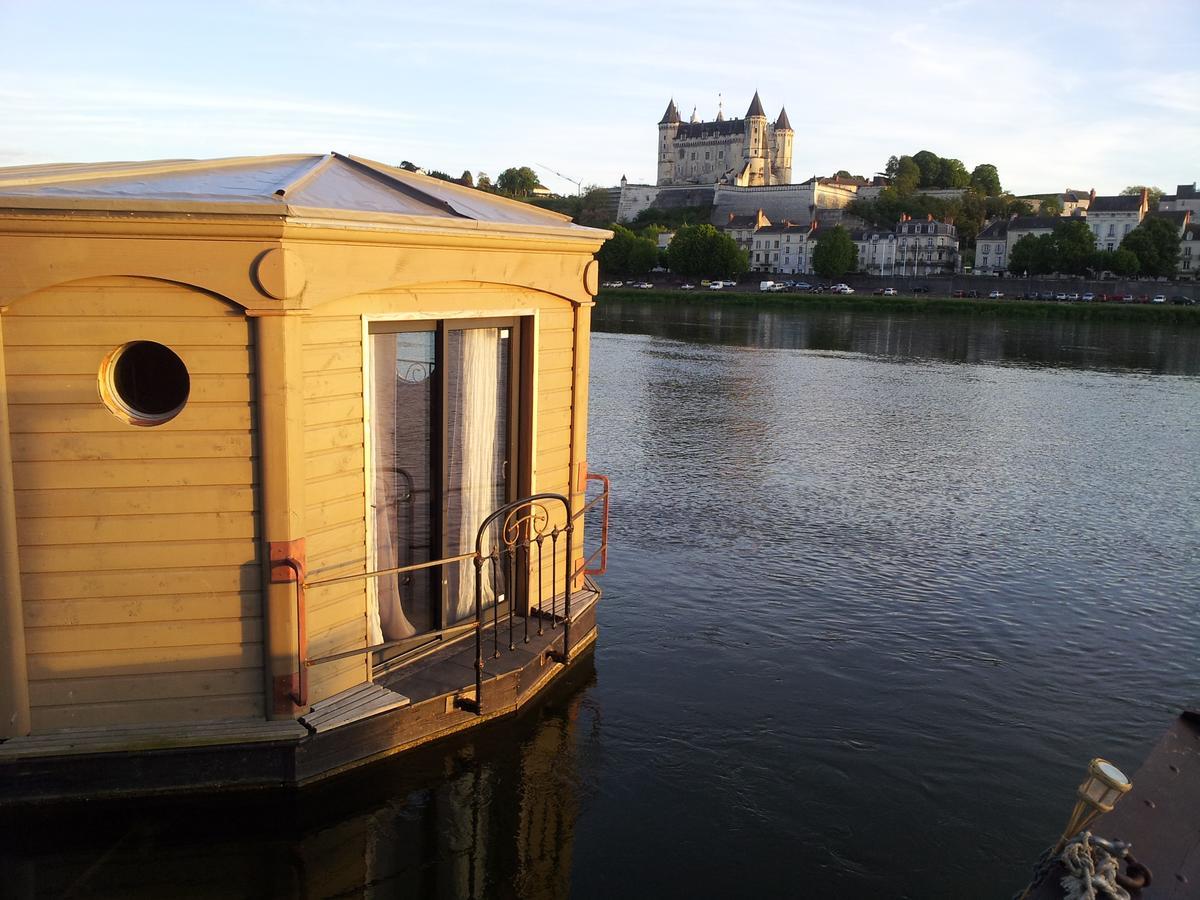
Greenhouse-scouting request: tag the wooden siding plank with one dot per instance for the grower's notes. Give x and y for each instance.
(333, 357)
(38, 331)
(319, 330)
(333, 384)
(49, 446)
(335, 512)
(93, 416)
(334, 462)
(142, 556)
(155, 608)
(139, 660)
(126, 300)
(105, 529)
(334, 410)
(336, 487)
(183, 709)
(82, 389)
(331, 437)
(144, 581)
(87, 360)
(119, 502)
(120, 473)
(126, 688)
(160, 635)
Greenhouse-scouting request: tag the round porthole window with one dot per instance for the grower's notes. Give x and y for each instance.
(144, 383)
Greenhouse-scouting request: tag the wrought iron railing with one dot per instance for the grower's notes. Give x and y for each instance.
(511, 547)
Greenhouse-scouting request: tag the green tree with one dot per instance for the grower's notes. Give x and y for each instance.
(1074, 245)
(842, 173)
(1034, 255)
(835, 254)
(986, 179)
(908, 176)
(439, 175)
(465, 179)
(1156, 244)
(1124, 262)
(517, 182)
(1051, 207)
(1022, 258)
(625, 253)
(953, 174)
(483, 182)
(930, 165)
(701, 250)
(1135, 189)
(594, 208)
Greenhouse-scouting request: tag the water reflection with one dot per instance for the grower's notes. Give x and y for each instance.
(1112, 345)
(486, 815)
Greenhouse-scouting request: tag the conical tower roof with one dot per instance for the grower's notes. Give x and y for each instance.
(756, 108)
(671, 116)
(782, 122)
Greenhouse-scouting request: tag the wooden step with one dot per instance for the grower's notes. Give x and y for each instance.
(352, 705)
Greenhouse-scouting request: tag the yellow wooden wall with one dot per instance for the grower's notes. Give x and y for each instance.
(139, 547)
(334, 433)
(334, 491)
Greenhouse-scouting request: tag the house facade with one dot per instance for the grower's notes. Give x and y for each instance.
(1112, 218)
(926, 246)
(991, 248)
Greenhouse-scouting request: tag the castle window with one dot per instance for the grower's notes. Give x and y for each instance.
(720, 154)
(707, 155)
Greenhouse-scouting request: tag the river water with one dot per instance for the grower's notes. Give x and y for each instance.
(879, 587)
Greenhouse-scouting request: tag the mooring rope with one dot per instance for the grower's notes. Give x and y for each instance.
(1091, 871)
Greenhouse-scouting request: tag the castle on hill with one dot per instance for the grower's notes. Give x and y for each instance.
(747, 152)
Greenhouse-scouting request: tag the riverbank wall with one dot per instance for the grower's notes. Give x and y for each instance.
(1155, 313)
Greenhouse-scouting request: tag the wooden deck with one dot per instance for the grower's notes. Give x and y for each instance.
(410, 706)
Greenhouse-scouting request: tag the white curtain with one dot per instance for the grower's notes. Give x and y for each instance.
(387, 620)
(476, 451)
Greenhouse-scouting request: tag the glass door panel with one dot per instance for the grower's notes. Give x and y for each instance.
(403, 400)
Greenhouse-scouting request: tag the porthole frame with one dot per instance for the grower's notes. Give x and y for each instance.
(119, 405)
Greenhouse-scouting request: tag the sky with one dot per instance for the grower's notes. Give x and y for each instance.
(1055, 93)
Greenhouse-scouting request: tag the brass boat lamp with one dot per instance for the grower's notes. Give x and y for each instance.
(1099, 793)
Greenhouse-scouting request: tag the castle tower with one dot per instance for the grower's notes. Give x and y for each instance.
(667, 127)
(754, 145)
(781, 155)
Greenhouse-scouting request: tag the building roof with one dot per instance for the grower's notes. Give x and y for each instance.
(1185, 191)
(783, 227)
(1073, 194)
(1034, 223)
(1120, 203)
(710, 129)
(782, 122)
(994, 231)
(750, 220)
(671, 116)
(1177, 217)
(330, 187)
(756, 107)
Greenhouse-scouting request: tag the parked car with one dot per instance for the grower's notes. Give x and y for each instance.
(842, 289)
(687, 287)
(613, 284)
(1180, 300)
(1158, 298)
(996, 295)
(957, 294)
(1127, 298)
(716, 285)
(921, 289)
(801, 286)
(889, 292)
(1088, 297)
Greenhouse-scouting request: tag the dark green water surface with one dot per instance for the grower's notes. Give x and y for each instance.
(879, 587)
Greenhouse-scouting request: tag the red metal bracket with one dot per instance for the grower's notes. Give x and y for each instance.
(287, 560)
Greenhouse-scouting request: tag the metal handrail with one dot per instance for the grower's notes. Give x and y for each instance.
(519, 534)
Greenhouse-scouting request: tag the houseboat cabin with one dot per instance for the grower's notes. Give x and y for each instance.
(292, 467)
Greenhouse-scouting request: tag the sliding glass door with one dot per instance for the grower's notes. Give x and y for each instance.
(445, 440)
